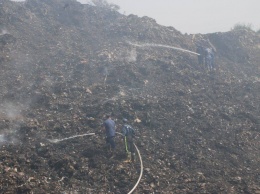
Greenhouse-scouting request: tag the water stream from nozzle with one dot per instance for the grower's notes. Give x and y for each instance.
(163, 46)
(64, 139)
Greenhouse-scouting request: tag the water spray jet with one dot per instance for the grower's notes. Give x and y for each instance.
(72, 137)
(161, 45)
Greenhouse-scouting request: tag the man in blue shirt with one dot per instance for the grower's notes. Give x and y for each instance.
(110, 130)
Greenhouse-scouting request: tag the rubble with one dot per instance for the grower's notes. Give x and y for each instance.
(63, 69)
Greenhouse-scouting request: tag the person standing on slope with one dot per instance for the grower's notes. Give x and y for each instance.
(129, 135)
(110, 130)
(201, 57)
(209, 59)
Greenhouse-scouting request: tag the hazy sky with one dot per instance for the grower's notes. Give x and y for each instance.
(196, 16)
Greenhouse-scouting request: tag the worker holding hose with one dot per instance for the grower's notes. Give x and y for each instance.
(129, 135)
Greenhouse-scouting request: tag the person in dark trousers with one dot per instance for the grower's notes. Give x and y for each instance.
(110, 130)
(201, 57)
(129, 135)
(213, 59)
(209, 59)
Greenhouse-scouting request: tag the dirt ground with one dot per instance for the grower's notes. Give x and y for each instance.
(65, 65)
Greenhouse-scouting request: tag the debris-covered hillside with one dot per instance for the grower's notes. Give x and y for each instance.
(64, 65)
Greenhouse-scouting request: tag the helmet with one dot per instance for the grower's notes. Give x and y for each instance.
(124, 120)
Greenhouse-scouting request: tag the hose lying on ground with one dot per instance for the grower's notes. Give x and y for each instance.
(88, 134)
(141, 173)
(142, 168)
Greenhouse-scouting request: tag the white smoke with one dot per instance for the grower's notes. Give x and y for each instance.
(89, 2)
(2, 139)
(7, 139)
(3, 32)
(10, 111)
(131, 56)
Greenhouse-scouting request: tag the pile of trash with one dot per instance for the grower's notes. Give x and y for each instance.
(64, 65)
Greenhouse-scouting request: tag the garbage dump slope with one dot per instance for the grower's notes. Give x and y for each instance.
(64, 65)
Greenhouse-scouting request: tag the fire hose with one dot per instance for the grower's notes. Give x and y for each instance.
(142, 168)
(88, 134)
